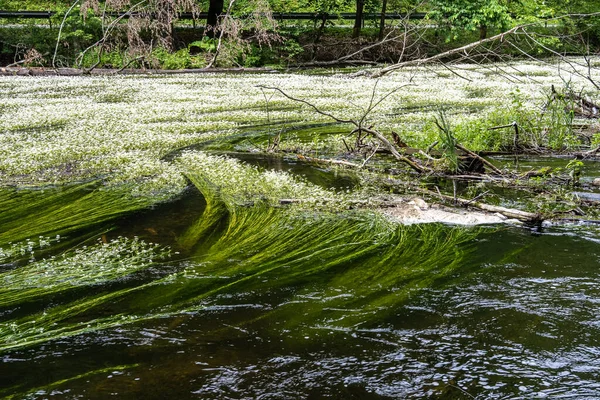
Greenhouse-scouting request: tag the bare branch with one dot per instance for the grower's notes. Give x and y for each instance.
(62, 24)
(344, 121)
(483, 160)
(220, 42)
(448, 53)
(393, 150)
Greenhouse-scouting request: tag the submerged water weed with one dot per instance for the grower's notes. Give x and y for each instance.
(61, 210)
(48, 390)
(357, 261)
(237, 183)
(25, 249)
(85, 266)
(366, 263)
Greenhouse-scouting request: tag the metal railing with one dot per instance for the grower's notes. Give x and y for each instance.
(201, 16)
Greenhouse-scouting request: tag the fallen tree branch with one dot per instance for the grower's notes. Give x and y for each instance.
(483, 160)
(344, 121)
(129, 63)
(328, 161)
(359, 125)
(370, 156)
(507, 212)
(448, 53)
(394, 152)
(347, 59)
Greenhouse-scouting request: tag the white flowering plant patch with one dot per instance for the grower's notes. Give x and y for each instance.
(56, 130)
(237, 183)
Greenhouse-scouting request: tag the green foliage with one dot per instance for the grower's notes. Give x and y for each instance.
(471, 15)
(33, 5)
(447, 141)
(180, 59)
(552, 128)
(575, 168)
(77, 34)
(108, 59)
(596, 140)
(206, 44)
(290, 50)
(327, 6)
(559, 126)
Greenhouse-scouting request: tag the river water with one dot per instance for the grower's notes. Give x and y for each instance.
(417, 312)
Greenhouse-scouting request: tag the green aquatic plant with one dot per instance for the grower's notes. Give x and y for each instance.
(361, 264)
(265, 248)
(59, 210)
(358, 262)
(447, 141)
(83, 266)
(234, 182)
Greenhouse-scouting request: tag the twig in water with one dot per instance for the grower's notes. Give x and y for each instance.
(454, 190)
(439, 193)
(483, 160)
(347, 147)
(477, 197)
(369, 157)
(431, 146)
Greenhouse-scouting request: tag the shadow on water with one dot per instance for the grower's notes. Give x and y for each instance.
(270, 303)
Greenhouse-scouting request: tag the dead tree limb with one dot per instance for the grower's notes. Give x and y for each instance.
(344, 121)
(448, 53)
(386, 143)
(359, 124)
(348, 59)
(483, 160)
(220, 41)
(62, 24)
(328, 161)
(507, 212)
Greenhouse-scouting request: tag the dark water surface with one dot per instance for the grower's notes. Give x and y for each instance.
(499, 313)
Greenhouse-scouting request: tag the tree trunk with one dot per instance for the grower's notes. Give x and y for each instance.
(382, 19)
(360, 6)
(215, 9)
(482, 31)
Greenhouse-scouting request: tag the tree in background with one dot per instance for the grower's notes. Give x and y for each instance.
(215, 9)
(471, 15)
(150, 21)
(245, 26)
(358, 18)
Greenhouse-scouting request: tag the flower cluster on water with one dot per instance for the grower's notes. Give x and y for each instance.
(64, 129)
(25, 249)
(238, 183)
(86, 265)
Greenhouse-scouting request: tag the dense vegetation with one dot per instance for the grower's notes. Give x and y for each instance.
(90, 33)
